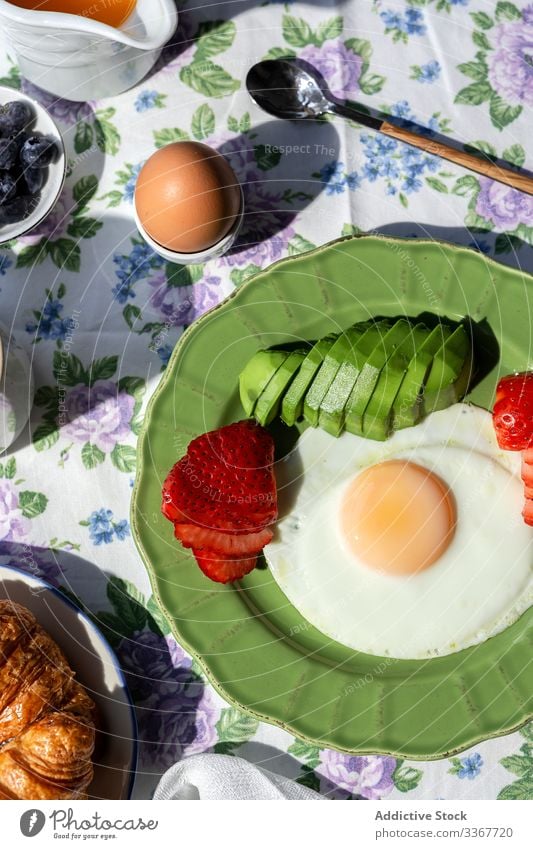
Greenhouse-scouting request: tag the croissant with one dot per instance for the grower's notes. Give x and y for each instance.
(47, 720)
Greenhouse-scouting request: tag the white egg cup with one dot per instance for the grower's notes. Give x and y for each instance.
(218, 249)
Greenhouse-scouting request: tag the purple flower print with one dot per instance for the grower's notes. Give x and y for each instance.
(369, 776)
(207, 715)
(180, 305)
(506, 208)
(340, 67)
(510, 65)
(99, 414)
(56, 223)
(69, 112)
(173, 711)
(13, 525)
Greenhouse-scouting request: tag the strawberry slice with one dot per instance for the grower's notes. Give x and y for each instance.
(223, 569)
(513, 412)
(527, 512)
(225, 481)
(194, 536)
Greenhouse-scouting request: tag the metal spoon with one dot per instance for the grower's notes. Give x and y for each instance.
(291, 89)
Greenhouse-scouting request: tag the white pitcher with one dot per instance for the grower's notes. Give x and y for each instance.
(79, 58)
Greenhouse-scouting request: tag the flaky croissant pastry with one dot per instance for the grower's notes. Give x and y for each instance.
(47, 730)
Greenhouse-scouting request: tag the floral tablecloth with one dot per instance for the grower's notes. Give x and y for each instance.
(96, 308)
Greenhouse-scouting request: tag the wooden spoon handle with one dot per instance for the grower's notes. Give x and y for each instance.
(468, 160)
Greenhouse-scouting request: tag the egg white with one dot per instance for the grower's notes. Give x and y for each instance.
(480, 585)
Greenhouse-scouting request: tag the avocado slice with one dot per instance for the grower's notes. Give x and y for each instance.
(450, 373)
(323, 379)
(256, 375)
(269, 401)
(331, 416)
(369, 375)
(378, 412)
(407, 407)
(293, 400)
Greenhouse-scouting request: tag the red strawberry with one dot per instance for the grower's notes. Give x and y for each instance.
(225, 481)
(223, 569)
(513, 412)
(194, 536)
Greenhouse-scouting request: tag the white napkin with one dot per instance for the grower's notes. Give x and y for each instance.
(228, 778)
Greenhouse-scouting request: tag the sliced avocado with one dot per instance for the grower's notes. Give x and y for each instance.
(378, 413)
(407, 407)
(369, 375)
(269, 401)
(323, 379)
(331, 416)
(256, 375)
(450, 373)
(293, 400)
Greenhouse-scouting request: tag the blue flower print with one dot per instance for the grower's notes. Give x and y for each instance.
(164, 352)
(336, 179)
(48, 323)
(102, 528)
(5, 263)
(133, 267)
(149, 100)
(467, 767)
(411, 22)
(129, 187)
(428, 73)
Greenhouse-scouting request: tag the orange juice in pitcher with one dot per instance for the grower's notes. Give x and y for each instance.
(111, 12)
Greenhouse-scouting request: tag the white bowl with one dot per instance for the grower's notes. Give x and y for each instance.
(56, 170)
(213, 252)
(96, 667)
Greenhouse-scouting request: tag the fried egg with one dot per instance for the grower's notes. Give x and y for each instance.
(409, 548)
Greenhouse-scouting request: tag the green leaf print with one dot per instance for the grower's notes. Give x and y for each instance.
(507, 12)
(83, 190)
(484, 146)
(331, 28)
(515, 154)
(169, 135)
(474, 94)
(32, 254)
(10, 468)
(266, 157)
(107, 136)
(236, 726)
(32, 504)
(501, 113)
(91, 456)
(482, 20)
(208, 79)
(436, 184)
(131, 313)
(84, 228)
(296, 31)
(298, 245)
(103, 369)
(371, 83)
(13, 78)
(135, 386)
(69, 370)
(124, 458)
(522, 789)
(128, 604)
(465, 186)
(239, 276)
(65, 253)
(481, 40)
(305, 752)
(214, 37)
(520, 765)
(45, 436)
(361, 47)
(475, 70)
(83, 137)
(203, 122)
(156, 621)
(245, 124)
(406, 778)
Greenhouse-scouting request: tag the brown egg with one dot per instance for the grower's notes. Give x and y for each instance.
(187, 197)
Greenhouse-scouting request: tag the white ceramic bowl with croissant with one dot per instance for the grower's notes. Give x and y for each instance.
(93, 707)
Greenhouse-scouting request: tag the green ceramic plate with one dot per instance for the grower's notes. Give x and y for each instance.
(254, 646)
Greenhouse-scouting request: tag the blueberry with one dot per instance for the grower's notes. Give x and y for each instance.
(9, 149)
(8, 187)
(19, 113)
(16, 209)
(34, 179)
(38, 152)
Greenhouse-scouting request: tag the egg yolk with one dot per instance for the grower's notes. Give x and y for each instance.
(398, 517)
